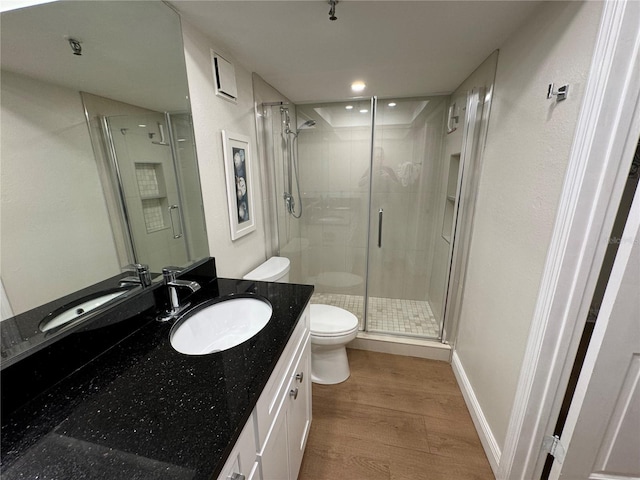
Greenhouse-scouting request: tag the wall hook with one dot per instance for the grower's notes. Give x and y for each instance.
(76, 46)
(560, 94)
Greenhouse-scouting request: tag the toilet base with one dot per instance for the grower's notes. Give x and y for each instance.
(329, 364)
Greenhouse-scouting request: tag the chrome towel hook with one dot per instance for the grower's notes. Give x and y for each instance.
(560, 94)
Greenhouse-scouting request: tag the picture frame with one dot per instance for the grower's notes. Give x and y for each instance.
(237, 167)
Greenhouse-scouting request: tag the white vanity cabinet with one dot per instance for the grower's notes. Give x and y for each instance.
(242, 463)
(272, 442)
(283, 412)
(281, 451)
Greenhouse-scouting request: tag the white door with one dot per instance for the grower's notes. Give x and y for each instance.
(602, 432)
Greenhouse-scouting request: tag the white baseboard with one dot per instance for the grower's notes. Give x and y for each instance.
(410, 347)
(489, 443)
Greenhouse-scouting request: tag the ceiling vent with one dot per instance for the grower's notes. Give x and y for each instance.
(225, 77)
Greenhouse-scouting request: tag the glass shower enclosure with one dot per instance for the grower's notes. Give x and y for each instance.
(153, 159)
(148, 166)
(372, 190)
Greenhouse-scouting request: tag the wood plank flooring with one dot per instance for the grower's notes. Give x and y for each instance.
(395, 418)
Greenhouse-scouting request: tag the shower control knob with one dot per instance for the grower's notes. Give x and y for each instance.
(293, 393)
(300, 376)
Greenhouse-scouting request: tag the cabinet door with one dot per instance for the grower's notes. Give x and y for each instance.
(275, 454)
(242, 460)
(299, 411)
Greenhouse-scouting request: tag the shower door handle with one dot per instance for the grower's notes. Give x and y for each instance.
(173, 227)
(380, 228)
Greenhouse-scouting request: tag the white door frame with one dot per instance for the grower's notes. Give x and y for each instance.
(605, 139)
(594, 432)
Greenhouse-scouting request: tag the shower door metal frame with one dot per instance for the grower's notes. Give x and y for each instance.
(116, 178)
(179, 181)
(365, 300)
(458, 258)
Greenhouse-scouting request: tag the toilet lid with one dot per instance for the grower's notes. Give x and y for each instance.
(271, 270)
(329, 321)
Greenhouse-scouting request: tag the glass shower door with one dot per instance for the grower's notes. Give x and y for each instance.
(149, 185)
(405, 274)
(330, 145)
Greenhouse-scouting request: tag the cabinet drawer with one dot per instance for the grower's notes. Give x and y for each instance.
(276, 389)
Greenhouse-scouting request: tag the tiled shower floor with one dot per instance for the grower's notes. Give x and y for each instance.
(408, 317)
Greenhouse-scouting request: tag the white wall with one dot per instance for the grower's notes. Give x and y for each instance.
(211, 115)
(54, 216)
(526, 154)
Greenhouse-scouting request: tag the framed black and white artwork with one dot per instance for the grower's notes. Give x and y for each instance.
(237, 166)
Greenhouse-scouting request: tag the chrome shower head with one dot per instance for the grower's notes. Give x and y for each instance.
(307, 124)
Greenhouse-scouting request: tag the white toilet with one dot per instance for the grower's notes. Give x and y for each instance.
(331, 328)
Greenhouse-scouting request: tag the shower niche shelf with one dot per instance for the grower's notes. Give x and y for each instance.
(153, 195)
(451, 190)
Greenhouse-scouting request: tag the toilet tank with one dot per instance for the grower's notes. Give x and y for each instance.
(276, 269)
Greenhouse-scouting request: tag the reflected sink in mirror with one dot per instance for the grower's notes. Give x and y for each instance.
(69, 313)
(220, 326)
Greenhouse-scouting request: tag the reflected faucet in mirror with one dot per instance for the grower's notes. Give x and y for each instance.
(142, 276)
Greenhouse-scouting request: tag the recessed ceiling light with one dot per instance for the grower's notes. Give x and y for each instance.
(357, 86)
(364, 110)
(142, 126)
(349, 107)
(392, 104)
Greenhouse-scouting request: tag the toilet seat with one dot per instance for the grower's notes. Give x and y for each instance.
(330, 321)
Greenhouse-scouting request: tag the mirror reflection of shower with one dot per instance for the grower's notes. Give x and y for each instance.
(290, 138)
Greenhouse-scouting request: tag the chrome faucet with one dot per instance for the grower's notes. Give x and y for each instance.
(142, 277)
(169, 276)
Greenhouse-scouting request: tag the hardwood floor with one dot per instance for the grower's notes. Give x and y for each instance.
(395, 418)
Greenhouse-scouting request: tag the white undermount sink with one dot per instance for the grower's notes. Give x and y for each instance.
(65, 316)
(220, 326)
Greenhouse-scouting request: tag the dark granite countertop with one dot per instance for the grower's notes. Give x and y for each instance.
(141, 410)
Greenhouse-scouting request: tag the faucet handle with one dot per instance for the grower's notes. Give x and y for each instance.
(141, 271)
(169, 274)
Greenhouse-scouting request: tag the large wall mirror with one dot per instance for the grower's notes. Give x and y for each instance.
(99, 168)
